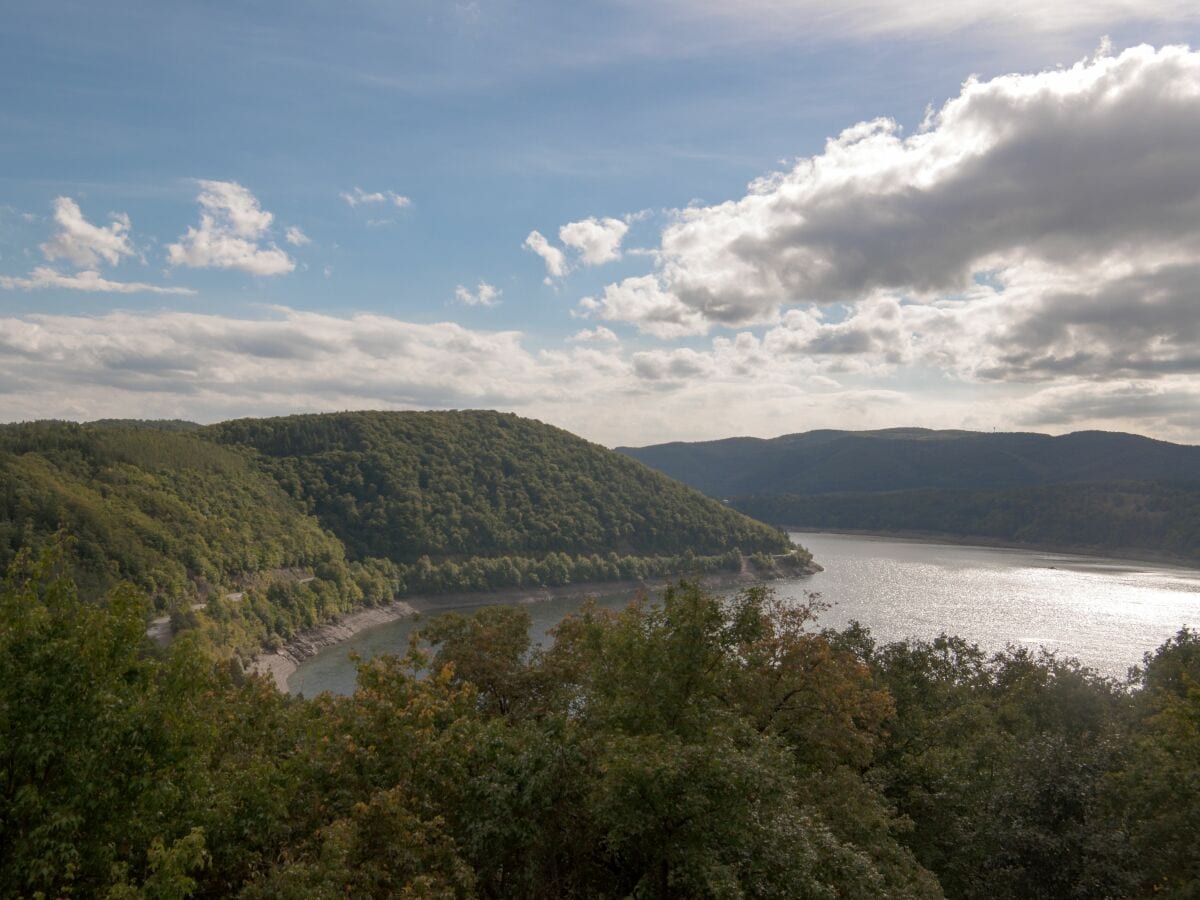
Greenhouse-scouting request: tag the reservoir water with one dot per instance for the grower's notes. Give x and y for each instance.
(1106, 613)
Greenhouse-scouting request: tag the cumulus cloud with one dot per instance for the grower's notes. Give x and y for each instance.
(359, 197)
(1062, 167)
(597, 240)
(296, 237)
(594, 242)
(83, 244)
(556, 262)
(642, 301)
(44, 278)
(483, 295)
(1037, 227)
(232, 225)
(78, 241)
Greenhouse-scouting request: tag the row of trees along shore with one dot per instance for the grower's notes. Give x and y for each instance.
(685, 746)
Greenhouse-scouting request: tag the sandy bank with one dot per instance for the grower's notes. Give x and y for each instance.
(280, 665)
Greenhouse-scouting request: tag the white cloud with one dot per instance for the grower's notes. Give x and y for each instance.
(642, 301)
(296, 237)
(597, 335)
(208, 367)
(556, 263)
(359, 197)
(83, 244)
(484, 295)
(215, 366)
(1040, 227)
(1062, 166)
(231, 226)
(44, 278)
(597, 240)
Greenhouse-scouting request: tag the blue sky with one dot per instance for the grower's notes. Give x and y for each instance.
(457, 129)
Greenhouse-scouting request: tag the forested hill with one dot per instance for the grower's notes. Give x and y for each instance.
(1095, 491)
(402, 485)
(897, 459)
(260, 528)
(160, 507)
(1136, 519)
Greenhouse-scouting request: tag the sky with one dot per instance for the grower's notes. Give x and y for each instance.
(640, 220)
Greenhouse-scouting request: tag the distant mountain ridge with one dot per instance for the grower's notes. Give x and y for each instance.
(898, 459)
(1092, 491)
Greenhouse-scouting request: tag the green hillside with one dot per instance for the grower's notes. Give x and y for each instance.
(455, 484)
(163, 509)
(255, 529)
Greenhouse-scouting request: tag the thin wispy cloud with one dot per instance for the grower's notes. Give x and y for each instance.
(296, 237)
(484, 295)
(782, 20)
(358, 197)
(44, 278)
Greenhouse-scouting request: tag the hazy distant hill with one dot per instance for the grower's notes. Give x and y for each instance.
(818, 462)
(1137, 519)
(1092, 490)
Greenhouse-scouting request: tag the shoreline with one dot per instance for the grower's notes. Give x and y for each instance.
(279, 665)
(1118, 554)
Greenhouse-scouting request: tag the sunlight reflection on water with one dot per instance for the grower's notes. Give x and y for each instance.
(1107, 613)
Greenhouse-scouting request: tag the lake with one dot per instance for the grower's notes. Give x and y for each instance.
(1106, 613)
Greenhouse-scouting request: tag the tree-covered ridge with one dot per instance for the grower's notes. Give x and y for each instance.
(1130, 517)
(208, 530)
(159, 507)
(402, 485)
(896, 459)
(690, 747)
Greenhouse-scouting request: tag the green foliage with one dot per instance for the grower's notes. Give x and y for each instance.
(174, 514)
(689, 747)
(460, 484)
(999, 761)
(1156, 797)
(241, 530)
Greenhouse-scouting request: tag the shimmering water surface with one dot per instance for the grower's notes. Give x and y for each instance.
(1107, 613)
